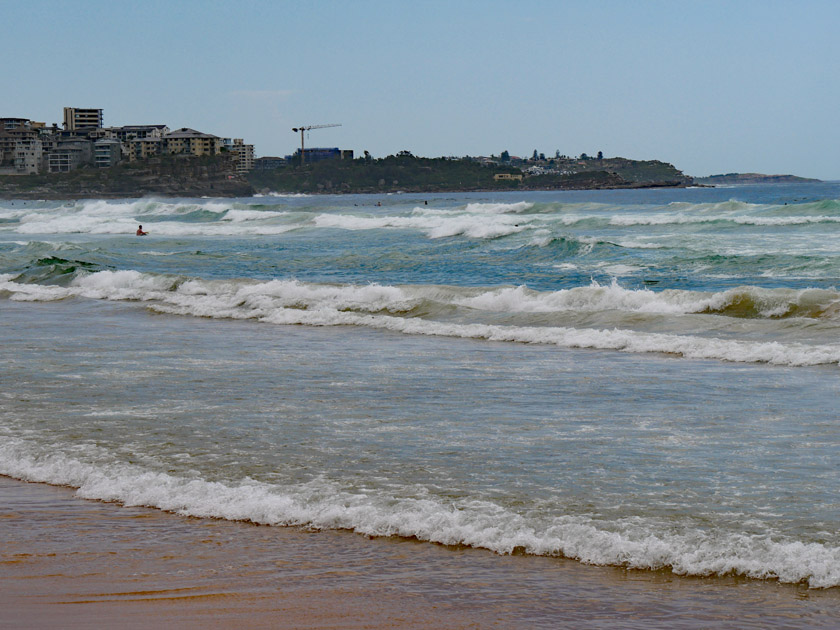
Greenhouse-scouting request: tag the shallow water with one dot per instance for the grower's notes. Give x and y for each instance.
(642, 379)
(82, 563)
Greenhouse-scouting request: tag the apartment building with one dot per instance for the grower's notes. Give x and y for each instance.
(126, 133)
(69, 154)
(27, 146)
(77, 118)
(191, 142)
(13, 133)
(29, 157)
(107, 152)
(144, 148)
(244, 153)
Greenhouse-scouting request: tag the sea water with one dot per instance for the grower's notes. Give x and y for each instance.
(644, 379)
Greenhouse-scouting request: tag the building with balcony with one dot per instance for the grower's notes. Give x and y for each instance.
(133, 132)
(8, 124)
(143, 148)
(191, 142)
(244, 153)
(9, 139)
(29, 157)
(69, 155)
(107, 152)
(77, 118)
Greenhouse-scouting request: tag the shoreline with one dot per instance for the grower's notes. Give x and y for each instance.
(216, 195)
(79, 563)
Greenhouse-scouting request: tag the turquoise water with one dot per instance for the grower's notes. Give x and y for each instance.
(633, 378)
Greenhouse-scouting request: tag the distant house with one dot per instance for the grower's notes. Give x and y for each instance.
(507, 176)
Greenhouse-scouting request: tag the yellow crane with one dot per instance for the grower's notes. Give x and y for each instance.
(307, 128)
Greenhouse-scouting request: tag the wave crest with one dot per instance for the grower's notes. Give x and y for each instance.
(637, 543)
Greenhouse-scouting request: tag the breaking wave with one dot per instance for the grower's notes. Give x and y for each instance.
(684, 547)
(277, 214)
(446, 311)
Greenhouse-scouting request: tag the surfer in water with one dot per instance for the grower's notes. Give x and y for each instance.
(140, 231)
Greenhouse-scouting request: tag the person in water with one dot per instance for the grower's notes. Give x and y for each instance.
(140, 231)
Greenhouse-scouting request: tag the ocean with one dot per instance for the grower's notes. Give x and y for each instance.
(641, 380)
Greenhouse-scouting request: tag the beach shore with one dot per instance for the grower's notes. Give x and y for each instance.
(71, 563)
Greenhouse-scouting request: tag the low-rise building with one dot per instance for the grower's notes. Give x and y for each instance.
(507, 176)
(268, 163)
(315, 154)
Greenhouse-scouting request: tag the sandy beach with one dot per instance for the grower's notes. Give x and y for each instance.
(72, 563)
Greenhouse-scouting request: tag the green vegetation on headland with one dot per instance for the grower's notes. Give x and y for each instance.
(751, 178)
(408, 173)
(185, 176)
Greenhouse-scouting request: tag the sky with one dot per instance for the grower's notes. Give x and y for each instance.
(709, 86)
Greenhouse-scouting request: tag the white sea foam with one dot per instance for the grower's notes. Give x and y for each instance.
(323, 504)
(107, 217)
(437, 225)
(237, 216)
(498, 208)
(277, 194)
(681, 219)
(290, 302)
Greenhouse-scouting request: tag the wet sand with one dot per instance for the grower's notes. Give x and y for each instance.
(71, 563)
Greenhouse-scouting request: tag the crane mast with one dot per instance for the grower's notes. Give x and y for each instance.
(303, 128)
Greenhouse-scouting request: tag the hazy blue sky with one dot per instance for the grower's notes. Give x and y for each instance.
(710, 86)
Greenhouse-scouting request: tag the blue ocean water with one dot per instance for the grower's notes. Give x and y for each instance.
(641, 378)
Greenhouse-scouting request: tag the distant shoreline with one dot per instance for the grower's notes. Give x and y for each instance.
(754, 178)
(194, 194)
(42, 195)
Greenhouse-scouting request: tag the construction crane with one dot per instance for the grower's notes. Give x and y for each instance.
(307, 128)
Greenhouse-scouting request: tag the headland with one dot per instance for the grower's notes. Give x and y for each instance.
(217, 176)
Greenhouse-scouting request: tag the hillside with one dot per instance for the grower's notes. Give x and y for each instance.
(174, 176)
(408, 173)
(644, 172)
(186, 176)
